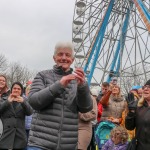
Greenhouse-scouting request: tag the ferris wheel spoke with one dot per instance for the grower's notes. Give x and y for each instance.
(128, 59)
(146, 45)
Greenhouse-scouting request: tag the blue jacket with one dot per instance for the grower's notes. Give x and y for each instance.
(28, 120)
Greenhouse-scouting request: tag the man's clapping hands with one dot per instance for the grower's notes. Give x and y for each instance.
(77, 75)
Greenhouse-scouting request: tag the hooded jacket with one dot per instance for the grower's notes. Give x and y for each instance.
(55, 122)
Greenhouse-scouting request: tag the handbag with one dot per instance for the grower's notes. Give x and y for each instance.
(132, 144)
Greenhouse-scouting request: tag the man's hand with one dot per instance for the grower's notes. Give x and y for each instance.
(132, 104)
(65, 80)
(80, 76)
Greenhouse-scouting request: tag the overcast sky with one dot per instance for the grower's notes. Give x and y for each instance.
(29, 30)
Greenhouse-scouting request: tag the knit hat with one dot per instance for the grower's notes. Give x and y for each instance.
(148, 82)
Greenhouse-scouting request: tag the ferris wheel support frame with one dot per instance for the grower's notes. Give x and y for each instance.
(98, 42)
(106, 37)
(121, 44)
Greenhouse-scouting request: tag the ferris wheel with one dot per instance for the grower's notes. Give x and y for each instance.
(112, 39)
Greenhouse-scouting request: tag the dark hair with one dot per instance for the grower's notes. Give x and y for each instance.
(5, 87)
(105, 84)
(134, 90)
(147, 82)
(17, 83)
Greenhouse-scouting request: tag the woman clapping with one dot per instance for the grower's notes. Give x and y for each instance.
(13, 111)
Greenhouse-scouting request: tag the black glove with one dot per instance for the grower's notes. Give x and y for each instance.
(132, 104)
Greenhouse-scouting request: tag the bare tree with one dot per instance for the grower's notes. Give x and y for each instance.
(3, 63)
(130, 79)
(16, 72)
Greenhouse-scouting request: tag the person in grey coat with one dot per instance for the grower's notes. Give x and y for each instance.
(13, 110)
(58, 95)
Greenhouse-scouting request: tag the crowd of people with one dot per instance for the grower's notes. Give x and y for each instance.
(59, 111)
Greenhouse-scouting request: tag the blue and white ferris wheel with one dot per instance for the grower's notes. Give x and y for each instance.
(112, 38)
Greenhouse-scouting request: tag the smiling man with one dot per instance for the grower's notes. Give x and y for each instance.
(57, 95)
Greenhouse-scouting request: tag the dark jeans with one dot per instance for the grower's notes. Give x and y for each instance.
(27, 132)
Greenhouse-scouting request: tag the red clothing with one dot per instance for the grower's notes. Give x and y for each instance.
(100, 109)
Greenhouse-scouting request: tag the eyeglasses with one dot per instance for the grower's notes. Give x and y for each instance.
(146, 86)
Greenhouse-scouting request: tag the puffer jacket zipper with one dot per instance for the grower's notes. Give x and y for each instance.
(61, 124)
(60, 128)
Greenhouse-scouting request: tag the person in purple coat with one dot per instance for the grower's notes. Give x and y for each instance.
(118, 139)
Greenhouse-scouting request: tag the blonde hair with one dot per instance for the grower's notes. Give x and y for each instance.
(119, 94)
(67, 45)
(5, 88)
(28, 89)
(124, 134)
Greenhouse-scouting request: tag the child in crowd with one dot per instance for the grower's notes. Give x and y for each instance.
(118, 139)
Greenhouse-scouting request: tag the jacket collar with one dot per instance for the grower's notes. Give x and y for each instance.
(60, 71)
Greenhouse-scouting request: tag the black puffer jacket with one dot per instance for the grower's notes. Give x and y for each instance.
(141, 121)
(55, 123)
